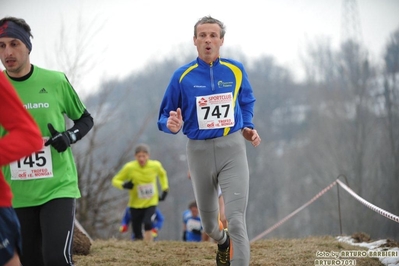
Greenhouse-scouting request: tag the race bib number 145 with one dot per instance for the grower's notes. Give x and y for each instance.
(37, 165)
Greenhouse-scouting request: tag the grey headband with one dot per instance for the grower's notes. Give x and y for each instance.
(11, 29)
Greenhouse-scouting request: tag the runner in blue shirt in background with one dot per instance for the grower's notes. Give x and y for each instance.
(157, 221)
(192, 227)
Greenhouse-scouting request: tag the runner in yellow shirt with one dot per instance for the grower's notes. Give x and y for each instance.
(140, 178)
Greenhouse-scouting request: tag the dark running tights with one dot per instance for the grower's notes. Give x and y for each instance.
(47, 233)
(141, 217)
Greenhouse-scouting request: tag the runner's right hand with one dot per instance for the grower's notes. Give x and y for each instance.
(128, 185)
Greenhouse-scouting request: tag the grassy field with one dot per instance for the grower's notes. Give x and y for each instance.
(177, 253)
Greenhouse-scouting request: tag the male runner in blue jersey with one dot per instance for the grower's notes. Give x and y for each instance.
(212, 101)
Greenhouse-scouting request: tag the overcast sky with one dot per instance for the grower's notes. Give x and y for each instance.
(135, 32)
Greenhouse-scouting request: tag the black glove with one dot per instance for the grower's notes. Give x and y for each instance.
(196, 231)
(60, 141)
(128, 185)
(163, 196)
(184, 236)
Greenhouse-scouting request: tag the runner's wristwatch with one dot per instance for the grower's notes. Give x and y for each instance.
(72, 136)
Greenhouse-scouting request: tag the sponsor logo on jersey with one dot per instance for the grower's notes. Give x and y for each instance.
(224, 84)
(43, 91)
(36, 105)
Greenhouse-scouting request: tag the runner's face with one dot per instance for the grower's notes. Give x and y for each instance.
(142, 158)
(15, 57)
(194, 211)
(208, 41)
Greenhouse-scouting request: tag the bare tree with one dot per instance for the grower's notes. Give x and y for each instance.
(74, 53)
(98, 202)
(358, 76)
(97, 164)
(391, 112)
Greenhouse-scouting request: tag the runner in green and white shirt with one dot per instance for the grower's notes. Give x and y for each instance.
(44, 184)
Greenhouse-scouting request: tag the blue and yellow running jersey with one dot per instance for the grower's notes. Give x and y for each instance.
(215, 99)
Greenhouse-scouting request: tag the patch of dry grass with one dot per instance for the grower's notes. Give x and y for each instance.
(272, 252)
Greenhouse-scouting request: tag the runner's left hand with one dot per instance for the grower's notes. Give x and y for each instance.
(251, 135)
(163, 196)
(60, 141)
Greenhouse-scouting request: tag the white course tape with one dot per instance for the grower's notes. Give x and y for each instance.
(368, 204)
(350, 191)
(294, 212)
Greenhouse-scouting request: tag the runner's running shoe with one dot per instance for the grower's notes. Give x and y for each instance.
(223, 254)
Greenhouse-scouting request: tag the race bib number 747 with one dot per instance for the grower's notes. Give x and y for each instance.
(215, 111)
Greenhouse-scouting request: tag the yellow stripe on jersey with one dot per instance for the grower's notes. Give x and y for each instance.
(186, 72)
(238, 76)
